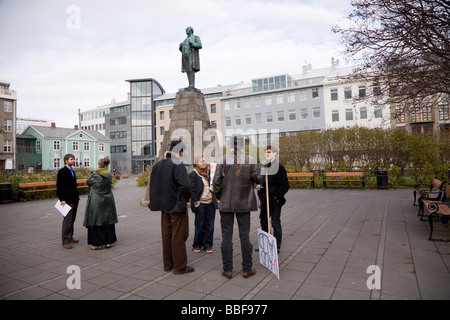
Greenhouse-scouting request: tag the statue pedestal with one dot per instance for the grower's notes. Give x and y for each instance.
(189, 121)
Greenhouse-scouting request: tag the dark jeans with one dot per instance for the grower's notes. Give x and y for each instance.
(67, 224)
(205, 215)
(227, 224)
(275, 218)
(174, 233)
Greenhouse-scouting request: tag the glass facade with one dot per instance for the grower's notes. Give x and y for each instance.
(143, 130)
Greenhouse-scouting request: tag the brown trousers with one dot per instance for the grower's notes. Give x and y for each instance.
(174, 233)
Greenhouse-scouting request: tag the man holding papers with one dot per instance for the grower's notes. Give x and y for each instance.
(67, 192)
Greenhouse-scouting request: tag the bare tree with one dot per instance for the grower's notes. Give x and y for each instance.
(401, 45)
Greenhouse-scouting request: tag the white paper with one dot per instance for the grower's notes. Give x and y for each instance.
(64, 210)
(268, 254)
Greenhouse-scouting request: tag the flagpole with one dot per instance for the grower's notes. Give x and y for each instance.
(267, 204)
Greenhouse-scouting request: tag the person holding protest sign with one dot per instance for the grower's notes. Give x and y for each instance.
(234, 186)
(278, 186)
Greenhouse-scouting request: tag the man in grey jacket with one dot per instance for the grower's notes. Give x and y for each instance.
(234, 182)
(169, 193)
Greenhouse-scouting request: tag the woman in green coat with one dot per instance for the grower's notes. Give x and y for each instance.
(101, 215)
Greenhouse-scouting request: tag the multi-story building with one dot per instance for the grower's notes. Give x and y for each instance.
(94, 119)
(52, 143)
(8, 114)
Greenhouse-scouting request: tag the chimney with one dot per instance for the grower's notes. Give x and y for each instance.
(53, 125)
(75, 127)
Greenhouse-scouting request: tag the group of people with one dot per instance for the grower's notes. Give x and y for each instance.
(231, 190)
(100, 214)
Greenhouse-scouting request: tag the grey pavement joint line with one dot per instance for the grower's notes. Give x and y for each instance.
(266, 280)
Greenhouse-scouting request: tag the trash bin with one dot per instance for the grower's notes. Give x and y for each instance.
(382, 179)
(6, 194)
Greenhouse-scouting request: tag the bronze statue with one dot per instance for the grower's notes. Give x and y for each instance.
(190, 58)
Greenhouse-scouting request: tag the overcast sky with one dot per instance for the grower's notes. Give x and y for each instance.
(62, 55)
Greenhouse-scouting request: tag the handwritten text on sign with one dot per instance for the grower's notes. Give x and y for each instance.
(268, 255)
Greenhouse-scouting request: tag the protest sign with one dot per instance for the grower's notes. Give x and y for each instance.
(268, 254)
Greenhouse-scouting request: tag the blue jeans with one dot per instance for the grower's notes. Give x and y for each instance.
(205, 215)
(227, 223)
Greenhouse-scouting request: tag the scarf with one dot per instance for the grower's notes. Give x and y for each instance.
(103, 172)
(203, 172)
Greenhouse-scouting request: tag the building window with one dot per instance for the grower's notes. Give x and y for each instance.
(362, 91)
(334, 94)
(258, 101)
(227, 121)
(246, 102)
(7, 146)
(280, 98)
(237, 120)
(86, 146)
(378, 112)
(348, 93)
(444, 112)
(87, 162)
(161, 130)
(268, 99)
(118, 149)
(7, 106)
(226, 105)
(302, 95)
(316, 112)
(38, 145)
(7, 125)
(303, 114)
(400, 114)
(291, 96)
(269, 117)
(376, 89)
(292, 115)
(75, 145)
(56, 162)
(56, 145)
(161, 115)
(248, 119)
(101, 147)
(213, 108)
(118, 135)
(237, 104)
(117, 121)
(280, 115)
(214, 124)
(315, 93)
(348, 114)
(335, 116)
(363, 113)
(258, 118)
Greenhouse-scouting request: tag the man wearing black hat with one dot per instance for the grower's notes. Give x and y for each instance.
(169, 193)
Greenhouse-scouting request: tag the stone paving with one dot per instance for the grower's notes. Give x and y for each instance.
(330, 239)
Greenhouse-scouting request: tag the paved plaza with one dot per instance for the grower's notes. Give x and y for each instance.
(330, 240)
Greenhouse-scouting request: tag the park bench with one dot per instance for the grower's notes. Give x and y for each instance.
(438, 211)
(297, 177)
(435, 189)
(42, 186)
(354, 176)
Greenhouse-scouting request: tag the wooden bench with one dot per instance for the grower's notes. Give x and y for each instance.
(357, 176)
(42, 186)
(296, 177)
(436, 187)
(438, 210)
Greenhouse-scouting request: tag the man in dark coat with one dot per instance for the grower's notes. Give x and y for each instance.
(278, 187)
(169, 193)
(67, 192)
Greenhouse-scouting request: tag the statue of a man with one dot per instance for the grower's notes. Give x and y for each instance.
(190, 58)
